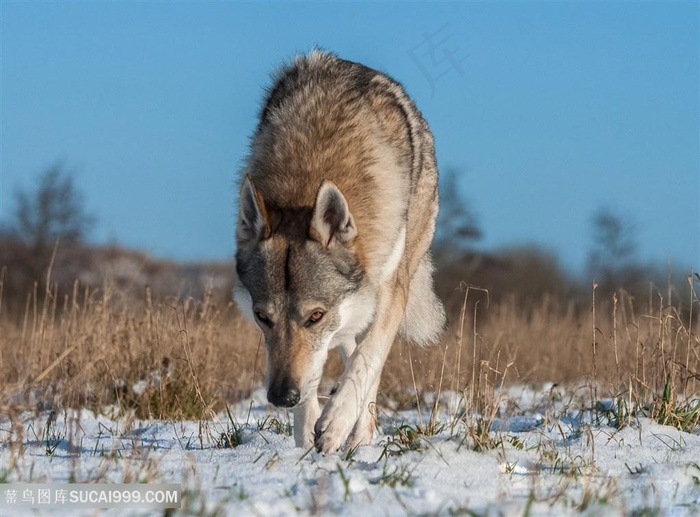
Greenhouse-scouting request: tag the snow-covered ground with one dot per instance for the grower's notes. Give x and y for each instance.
(544, 455)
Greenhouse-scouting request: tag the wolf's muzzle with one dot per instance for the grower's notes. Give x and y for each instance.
(284, 396)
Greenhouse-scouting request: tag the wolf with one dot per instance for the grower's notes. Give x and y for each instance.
(336, 215)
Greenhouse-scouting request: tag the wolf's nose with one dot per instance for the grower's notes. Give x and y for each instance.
(285, 398)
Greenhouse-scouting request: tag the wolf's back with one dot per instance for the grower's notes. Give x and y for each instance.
(326, 118)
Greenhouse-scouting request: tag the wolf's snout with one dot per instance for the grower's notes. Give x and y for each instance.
(284, 396)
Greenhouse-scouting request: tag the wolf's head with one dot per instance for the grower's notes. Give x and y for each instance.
(300, 279)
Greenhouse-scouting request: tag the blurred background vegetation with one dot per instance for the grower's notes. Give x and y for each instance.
(50, 232)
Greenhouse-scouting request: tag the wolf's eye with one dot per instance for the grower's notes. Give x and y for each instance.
(263, 318)
(315, 317)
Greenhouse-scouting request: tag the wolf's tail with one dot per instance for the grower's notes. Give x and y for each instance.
(424, 319)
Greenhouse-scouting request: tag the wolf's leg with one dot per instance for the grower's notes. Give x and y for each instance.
(305, 417)
(358, 383)
(346, 347)
(363, 433)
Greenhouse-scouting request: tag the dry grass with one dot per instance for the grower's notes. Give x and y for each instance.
(551, 341)
(184, 359)
(165, 359)
(650, 360)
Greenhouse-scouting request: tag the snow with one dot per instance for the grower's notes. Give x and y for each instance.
(545, 454)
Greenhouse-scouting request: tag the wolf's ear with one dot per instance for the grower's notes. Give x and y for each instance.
(332, 222)
(253, 223)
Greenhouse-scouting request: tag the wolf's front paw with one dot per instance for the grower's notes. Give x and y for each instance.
(333, 428)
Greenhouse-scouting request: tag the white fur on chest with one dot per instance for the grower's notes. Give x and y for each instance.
(356, 313)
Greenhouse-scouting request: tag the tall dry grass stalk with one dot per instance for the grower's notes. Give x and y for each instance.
(189, 358)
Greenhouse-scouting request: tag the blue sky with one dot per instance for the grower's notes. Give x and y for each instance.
(553, 111)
